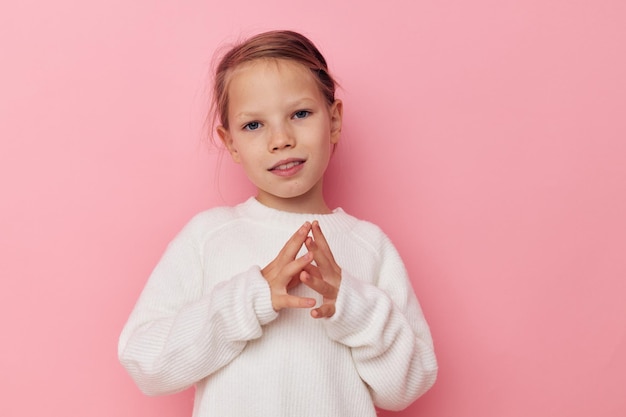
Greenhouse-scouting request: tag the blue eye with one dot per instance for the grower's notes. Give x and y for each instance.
(301, 114)
(252, 126)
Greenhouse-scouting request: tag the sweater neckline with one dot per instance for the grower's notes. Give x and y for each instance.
(258, 211)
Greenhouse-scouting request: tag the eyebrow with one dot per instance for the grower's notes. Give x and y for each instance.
(301, 101)
(305, 101)
(246, 115)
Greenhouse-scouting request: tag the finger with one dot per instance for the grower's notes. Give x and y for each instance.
(312, 247)
(318, 255)
(293, 268)
(323, 259)
(317, 284)
(292, 301)
(321, 241)
(323, 311)
(293, 245)
(310, 244)
(287, 253)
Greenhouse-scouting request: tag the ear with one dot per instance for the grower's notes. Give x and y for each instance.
(227, 140)
(336, 119)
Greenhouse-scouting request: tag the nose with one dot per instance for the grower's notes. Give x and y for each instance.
(281, 137)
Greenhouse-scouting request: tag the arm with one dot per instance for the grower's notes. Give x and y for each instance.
(382, 324)
(177, 335)
(390, 342)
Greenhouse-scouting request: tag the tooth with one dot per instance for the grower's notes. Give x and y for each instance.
(288, 165)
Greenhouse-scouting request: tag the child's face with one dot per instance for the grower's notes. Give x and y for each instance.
(282, 131)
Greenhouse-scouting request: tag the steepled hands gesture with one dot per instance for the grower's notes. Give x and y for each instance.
(316, 269)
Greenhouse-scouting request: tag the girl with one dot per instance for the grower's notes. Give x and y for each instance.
(280, 306)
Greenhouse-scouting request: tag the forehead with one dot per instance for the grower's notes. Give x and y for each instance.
(271, 77)
(271, 65)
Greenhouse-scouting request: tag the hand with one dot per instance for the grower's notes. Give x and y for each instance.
(325, 276)
(284, 272)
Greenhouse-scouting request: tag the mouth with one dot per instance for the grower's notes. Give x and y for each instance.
(286, 165)
(287, 168)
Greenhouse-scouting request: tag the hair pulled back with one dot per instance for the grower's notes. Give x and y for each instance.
(277, 44)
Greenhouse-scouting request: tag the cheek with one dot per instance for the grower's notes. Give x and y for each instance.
(250, 153)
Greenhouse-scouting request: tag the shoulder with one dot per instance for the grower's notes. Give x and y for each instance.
(214, 217)
(366, 252)
(209, 222)
(367, 235)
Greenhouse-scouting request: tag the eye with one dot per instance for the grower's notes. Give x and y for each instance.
(252, 126)
(301, 114)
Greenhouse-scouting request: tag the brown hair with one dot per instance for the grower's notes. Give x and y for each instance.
(277, 44)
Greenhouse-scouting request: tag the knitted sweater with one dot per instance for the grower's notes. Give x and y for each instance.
(205, 318)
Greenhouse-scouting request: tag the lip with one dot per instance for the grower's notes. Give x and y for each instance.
(287, 167)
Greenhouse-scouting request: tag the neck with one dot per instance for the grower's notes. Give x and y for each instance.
(310, 203)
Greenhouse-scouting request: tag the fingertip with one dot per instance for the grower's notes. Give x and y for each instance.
(304, 276)
(304, 229)
(317, 229)
(323, 311)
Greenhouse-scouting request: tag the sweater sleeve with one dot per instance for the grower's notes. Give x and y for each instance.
(388, 335)
(177, 334)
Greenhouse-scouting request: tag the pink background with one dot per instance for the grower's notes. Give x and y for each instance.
(487, 138)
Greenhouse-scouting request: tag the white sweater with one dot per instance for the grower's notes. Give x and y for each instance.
(205, 318)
